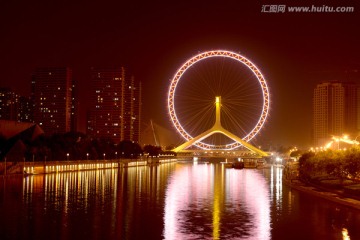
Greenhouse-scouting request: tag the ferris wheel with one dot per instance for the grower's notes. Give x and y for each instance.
(244, 103)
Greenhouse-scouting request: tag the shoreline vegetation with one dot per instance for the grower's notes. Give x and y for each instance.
(337, 197)
(331, 174)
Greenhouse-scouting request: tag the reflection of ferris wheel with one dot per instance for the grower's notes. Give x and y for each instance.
(252, 102)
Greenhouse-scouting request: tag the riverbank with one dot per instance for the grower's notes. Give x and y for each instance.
(30, 168)
(328, 194)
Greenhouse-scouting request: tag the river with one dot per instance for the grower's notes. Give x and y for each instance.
(182, 200)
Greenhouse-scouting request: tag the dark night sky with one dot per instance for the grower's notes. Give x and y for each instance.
(295, 51)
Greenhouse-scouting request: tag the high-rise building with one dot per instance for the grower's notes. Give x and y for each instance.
(15, 107)
(115, 105)
(334, 111)
(52, 96)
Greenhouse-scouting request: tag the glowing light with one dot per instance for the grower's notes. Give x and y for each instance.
(345, 234)
(344, 138)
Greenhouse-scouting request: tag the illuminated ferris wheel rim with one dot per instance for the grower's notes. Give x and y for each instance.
(218, 53)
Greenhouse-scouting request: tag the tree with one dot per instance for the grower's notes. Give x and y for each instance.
(296, 153)
(129, 149)
(331, 164)
(152, 150)
(305, 165)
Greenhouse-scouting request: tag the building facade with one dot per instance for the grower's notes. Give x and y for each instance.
(115, 105)
(52, 95)
(334, 111)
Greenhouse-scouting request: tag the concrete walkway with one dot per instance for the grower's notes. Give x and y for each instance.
(332, 196)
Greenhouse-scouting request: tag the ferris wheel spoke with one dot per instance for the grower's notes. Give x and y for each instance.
(234, 123)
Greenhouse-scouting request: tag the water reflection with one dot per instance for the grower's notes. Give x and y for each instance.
(170, 201)
(276, 186)
(97, 204)
(209, 201)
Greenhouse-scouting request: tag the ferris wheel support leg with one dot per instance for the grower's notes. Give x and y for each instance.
(194, 140)
(217, 129)
(244, 143)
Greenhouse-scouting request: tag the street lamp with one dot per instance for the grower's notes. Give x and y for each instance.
(67, 156)
(87, 156)
(115, 155)
(104, 156)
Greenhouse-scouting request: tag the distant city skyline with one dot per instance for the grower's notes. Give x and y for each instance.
(295, 51)
(114, 111)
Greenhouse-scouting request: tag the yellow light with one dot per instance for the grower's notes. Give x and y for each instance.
(217, 99)
(345, 234)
